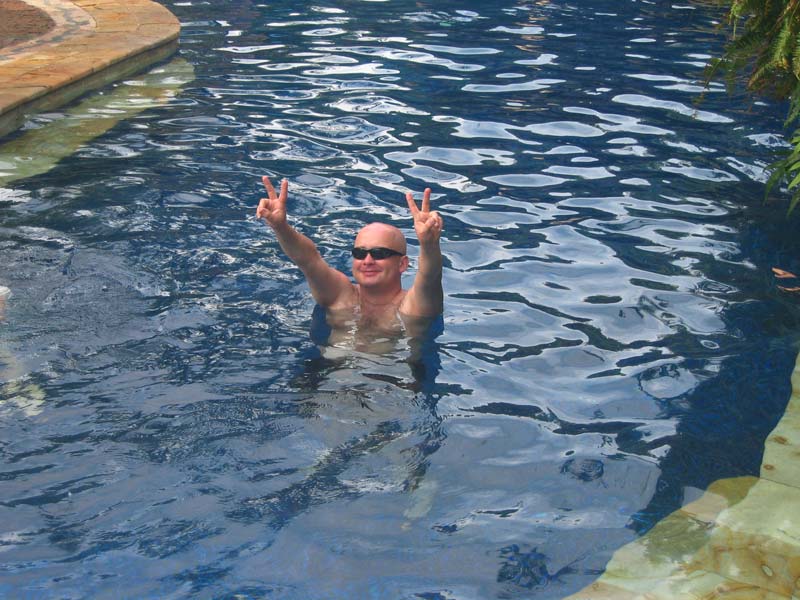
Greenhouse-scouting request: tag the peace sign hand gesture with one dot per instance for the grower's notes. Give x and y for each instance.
(273, 208)
(428, 224)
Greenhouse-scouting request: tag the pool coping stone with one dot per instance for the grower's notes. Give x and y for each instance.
(93, 43)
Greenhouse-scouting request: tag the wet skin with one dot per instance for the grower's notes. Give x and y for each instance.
(376, 299)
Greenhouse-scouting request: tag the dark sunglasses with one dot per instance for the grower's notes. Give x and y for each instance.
(376, 253)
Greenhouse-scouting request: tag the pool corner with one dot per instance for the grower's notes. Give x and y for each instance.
(737, 541)
(93, 43)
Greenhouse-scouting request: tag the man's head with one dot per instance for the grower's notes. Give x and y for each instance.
(371, 272)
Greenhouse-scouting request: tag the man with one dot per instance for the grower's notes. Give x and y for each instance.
(379, 260)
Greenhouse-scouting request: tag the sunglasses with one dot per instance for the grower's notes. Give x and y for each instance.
(376, 253)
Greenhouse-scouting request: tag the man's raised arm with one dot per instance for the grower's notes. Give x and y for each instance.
(328, 286)
(426, 297)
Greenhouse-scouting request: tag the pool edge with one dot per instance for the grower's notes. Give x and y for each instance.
(739, 541)
(94, 43)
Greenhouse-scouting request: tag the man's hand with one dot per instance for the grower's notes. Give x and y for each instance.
(428, 224)
(426, 297)
(273, 208)
(330, 287)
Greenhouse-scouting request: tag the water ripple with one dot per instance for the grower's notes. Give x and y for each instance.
(528, 86)
(179, 421)
(343, 130)
(678, 107)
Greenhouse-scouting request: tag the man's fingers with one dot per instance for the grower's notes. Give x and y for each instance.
(263, 208)
(432, 221)
(426, 203)
(284, 192)
(412, 206)
(268, 184)
(426, 200)
(271, 190)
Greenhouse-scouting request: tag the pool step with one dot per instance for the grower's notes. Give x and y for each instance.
(781, 462)
(39, 149)
(94, 43)
(739, 541)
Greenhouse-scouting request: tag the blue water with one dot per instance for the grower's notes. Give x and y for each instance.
(174, 422)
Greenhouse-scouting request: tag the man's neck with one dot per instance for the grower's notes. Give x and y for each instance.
(373, 300)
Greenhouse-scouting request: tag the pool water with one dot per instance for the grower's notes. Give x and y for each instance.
(175, 421)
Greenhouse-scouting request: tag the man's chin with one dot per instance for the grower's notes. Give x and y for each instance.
(367, 277)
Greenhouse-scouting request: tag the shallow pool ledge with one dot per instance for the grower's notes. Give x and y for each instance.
(93, 43)
(739, 541)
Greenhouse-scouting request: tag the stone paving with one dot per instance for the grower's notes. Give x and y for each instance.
(92, 44)
(20, 22)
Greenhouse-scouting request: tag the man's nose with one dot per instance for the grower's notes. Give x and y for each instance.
(368, 258)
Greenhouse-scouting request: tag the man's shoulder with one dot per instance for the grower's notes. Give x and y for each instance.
(346, 299)
(416, 304)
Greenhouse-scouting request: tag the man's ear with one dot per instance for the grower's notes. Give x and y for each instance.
(404, 262)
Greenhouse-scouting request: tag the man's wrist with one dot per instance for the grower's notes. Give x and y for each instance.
(430, 246)
(280, 227)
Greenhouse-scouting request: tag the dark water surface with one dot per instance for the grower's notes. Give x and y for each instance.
(171, 423)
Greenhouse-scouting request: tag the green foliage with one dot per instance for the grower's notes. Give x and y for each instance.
(765, 46)
(788, 169)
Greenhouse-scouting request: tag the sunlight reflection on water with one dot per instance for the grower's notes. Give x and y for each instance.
(174, 424)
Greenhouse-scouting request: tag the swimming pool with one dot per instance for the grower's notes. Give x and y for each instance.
(173, 424)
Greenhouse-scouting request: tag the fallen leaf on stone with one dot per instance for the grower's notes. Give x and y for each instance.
(781, 274)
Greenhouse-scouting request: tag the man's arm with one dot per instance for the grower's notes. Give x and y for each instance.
(328, 286)
(426, 297)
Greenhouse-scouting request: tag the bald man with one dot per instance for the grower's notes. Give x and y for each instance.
(379, 260)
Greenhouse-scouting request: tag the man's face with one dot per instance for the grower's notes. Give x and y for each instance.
(370, 272)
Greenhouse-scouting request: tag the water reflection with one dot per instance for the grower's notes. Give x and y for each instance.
(611, 342)
(367, 430)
